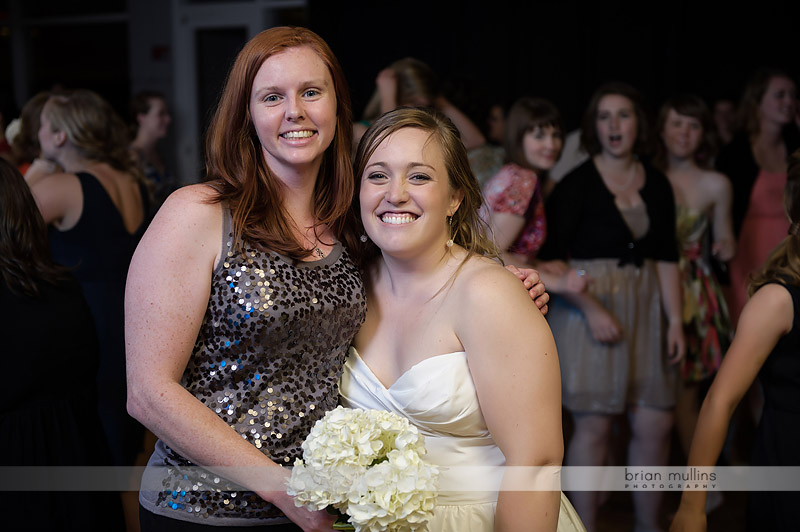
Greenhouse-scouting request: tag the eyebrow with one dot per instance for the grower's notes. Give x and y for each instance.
(410, 165)
(304, 84)
(309, 83)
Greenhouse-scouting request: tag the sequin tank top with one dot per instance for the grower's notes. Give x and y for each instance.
(267, 360)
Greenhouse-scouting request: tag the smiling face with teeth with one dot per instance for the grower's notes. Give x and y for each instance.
(616, 125)
(293, 109)
(406, 195)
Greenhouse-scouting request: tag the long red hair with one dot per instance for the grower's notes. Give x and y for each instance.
(236, 167)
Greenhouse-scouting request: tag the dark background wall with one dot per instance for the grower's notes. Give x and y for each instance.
(500, 49)
(484, 51)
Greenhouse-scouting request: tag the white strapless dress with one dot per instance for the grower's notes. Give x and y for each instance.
(438, 396)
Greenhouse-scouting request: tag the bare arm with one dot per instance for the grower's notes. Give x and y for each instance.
(724, 246)
(166, 298)
(669, 282)
(386, 83)
(514, 363)
(602, 324)
(39, 169)
(60, 199)
(506, 228)
(764, 320)
(471, 136)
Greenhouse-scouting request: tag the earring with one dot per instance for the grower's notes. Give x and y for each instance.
(363, 238)
(450, 242)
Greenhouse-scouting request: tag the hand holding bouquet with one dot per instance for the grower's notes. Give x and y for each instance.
(366, 464)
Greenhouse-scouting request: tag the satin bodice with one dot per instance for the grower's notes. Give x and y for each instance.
(438, 396)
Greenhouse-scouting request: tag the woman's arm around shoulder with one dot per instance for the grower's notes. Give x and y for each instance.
(513, 360)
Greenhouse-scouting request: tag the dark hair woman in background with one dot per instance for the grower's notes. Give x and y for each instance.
(614, 217)
(50, 351)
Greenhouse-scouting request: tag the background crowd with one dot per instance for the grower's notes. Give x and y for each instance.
(647, 232)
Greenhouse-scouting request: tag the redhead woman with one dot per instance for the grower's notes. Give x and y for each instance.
(254, 292)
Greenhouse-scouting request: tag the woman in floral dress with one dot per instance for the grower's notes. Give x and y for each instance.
(704, 229)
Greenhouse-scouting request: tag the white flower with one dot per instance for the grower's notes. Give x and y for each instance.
(367, 464)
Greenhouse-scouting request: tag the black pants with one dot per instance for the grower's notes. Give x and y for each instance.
(151, 522)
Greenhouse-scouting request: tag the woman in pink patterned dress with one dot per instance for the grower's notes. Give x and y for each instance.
(515, 195)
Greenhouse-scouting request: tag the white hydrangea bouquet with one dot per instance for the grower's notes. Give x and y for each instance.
(367, 465)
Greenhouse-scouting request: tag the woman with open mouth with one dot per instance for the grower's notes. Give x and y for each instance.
(614, 217)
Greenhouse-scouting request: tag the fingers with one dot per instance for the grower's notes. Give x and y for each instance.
(577, 281)
(535, 289)
(676, 353)
(540, 298)
(606, 330)
(516, 271)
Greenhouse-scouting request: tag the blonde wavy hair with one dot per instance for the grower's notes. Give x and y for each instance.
(93, 127)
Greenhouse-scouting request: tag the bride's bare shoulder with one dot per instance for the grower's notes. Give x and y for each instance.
(481, 278)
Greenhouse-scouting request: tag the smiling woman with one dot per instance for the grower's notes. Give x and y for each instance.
(405, 193)
(255, 294)
(440, 313)
(515, 195)
(295, 118)
(704, 229)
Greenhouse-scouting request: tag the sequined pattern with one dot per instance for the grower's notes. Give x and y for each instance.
(267, 360)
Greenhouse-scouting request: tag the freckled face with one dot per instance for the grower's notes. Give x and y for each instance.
(681, 135)
(406, 195)
(542, 147)
(293, 108)
(616, 125)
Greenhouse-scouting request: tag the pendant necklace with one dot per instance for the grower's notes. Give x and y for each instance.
(316, 250)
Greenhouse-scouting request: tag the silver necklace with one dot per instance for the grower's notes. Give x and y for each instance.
(620, 188)
(316, 250)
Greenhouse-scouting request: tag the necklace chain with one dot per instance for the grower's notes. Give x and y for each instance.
(631, 177)
(315, 246)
